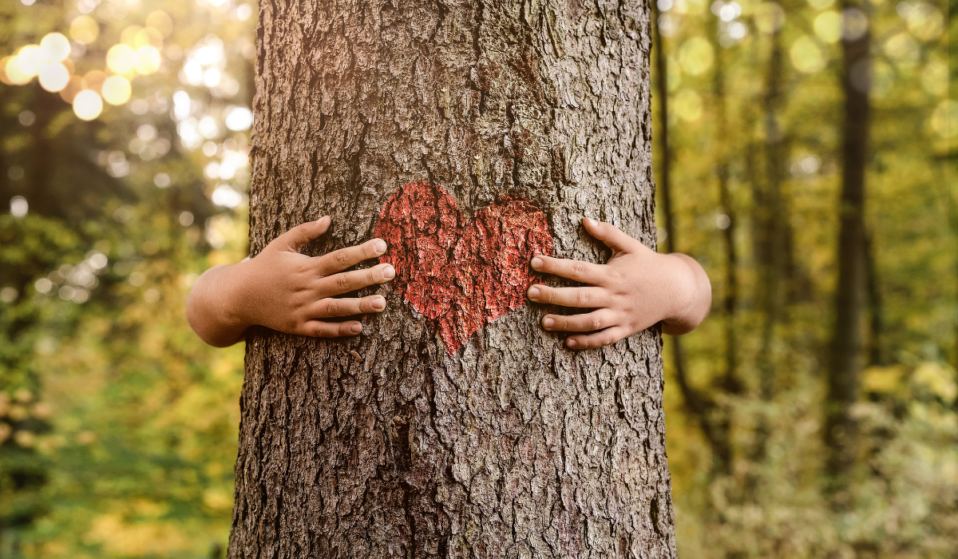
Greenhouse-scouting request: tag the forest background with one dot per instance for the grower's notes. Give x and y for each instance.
(124, 170)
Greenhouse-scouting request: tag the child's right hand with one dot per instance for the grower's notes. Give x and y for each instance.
(287, 291)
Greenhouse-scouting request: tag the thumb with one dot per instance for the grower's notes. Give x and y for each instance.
(298, 237)
(610, 235)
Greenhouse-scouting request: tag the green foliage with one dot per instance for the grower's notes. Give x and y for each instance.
(775, 499)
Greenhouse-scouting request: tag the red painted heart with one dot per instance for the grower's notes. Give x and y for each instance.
(458, 274)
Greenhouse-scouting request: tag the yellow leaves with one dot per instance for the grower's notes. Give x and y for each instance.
(218, 500)
(902, 382)
(882, 380)
(937, 379)
(121, 538)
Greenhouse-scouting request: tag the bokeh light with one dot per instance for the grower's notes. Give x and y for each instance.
(160, 21)
(84, 30)
(696, 56)
(828, 26)
(688, 105)
(116, 90)
(3, 70)
(54, 77)
(944, 121)
(147, 60)
(87, 105)
(769, 17)
(926, 22)
(94, 80)
(120, 59)
(55, 47)
(12, 72)
(807, 55)
(75, 85)
(30, 60)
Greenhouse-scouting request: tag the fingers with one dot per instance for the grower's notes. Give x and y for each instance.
(575, 270)
(320, 329)
(606, 337)
(589, 322)
(326, 308)
(579, 297)
(298, 237)
(345, 282)
(339, 260)
(610, 235)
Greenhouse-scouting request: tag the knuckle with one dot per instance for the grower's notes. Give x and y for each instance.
(342, 258)
(578, 269)
(582, 297)
(342, 281)
(596, 323)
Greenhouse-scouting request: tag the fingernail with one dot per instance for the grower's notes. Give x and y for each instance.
(591, 222)
(379, 303)
(389, 272)
(379, 246)
(570, 342)
(548, 322)
(320, 220)
(537, 263)
(533, 293)
(356, 328)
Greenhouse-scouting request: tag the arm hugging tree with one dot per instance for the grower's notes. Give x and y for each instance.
(470, 135)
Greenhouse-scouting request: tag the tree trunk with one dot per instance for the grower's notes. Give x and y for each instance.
(846, 344)
(466, 132)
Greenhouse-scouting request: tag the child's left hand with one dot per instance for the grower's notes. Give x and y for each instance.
(637, 288)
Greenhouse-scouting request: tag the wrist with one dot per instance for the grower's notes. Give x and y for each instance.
(232, 309)
(690, 295)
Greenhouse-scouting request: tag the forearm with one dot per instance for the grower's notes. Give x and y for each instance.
(691, 295)
(209, 309)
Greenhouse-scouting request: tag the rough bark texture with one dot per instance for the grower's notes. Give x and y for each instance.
(393, 443)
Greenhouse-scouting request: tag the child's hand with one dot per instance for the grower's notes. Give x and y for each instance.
(634, 290)
(287, 291)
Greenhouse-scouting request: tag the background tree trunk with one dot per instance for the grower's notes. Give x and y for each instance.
(511, 445)
(845, 361)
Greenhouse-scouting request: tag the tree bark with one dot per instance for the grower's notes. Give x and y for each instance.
(846, 343)
(398, 443)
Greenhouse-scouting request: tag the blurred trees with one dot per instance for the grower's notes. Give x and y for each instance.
(118, 428)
